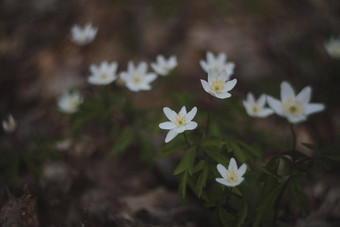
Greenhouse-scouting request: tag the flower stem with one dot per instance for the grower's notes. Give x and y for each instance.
(208, 119)
(186, 139)
(277, 203)
(294, 142)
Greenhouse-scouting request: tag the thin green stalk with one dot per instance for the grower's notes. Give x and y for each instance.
(208, 119)
(277, 203)
(186, 139)
(294, 142)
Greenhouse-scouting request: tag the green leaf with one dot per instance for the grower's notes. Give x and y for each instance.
(183, 184)
(299, 195)
(208, 142)
(187, 162)
(169, 150)
(202, 178)
(217, 156)
(227, 219)
(266, 208)
(147, 148)
(123, 141)
(242, 214)
(238, 152)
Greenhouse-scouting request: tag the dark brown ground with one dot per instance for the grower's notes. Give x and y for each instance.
(268, 41)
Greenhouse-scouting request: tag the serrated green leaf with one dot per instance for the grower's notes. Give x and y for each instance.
(298, 195)
(122, 142)
(202, 179)
(209, 142)
(187, 162)
(242, 214)
(169, 150)
(183, 184)
(227, 219)
(217, 156)
(238, 152)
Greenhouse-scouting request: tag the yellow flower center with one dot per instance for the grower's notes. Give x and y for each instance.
(217, 86)
(232, 176)
(255, 109)
(293, 107)
(180, 120)
(136, 79)
(103, 76)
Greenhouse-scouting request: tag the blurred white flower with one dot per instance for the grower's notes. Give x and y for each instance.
(178, 122)
(137, 78)
(162, 66)
(9, 124)
(294, 108)
(218, 84)
(333, 47)
(217, 64)
(232, 176)
(103, 74)
(255, 108)
(83, 36)
(69, 102)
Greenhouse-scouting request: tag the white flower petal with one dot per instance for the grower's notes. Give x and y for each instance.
(296, 119)
(167, 125)
(250, 99)
(204, 66)
(222, 170)
(210, 57)
(183, 111)
(221, 58)
(230, 84)
(180, 130)
(224, 76)
(232, 165)
(205, 86)
(171, 135)
(313, 108)
(262, 100)
(191, 114)
(265, 112)
(223, 95)
(225, 182)
(275, 105)
(142, 67)
(191, 125)
(170, 114)
(305, 95)
(241, 170)
(287, 91)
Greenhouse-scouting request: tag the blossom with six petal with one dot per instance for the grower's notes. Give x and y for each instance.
(218, 84)
(217, 64)
(179, 122)
(294, 108)
(333, 47)
(162, 66)
(103, 74)
(9, 124)
(232, 176)
(137, 78)
(255, 108)
(69, 102)
(83, 36)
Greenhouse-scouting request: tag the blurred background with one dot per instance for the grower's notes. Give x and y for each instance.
(269, 41)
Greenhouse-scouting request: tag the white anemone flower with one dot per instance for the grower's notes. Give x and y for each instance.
(179, 122)
(217, 64)
(162, 66)
(137, 78)
(333, 47)
(103, 74)
(294, 108)
(232, 176)
(82, 36)
(9, 124)
(256, 108)
(218, 84)
(69, 102)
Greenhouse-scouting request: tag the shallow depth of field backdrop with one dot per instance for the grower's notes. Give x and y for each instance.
(62, 170)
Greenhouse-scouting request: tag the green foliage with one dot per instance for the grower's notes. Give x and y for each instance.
(122, 141)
